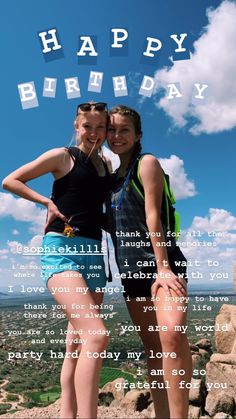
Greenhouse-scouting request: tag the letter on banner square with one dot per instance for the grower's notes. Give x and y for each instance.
(173, 92)
(87, 53)
(153, 45)
(147, 86)
(200, 94)
(72, 87)
(118, 47)
(180, 53)
(50, 44)
(28, 96)
(151, 51)
(49, 87)
(119, 85)
(95, 81)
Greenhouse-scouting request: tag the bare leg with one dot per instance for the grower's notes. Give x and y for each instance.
(78, 305)
(68, 394)
(174, 340)
(151, 341)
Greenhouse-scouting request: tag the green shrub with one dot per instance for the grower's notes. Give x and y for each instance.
(4, 407)
(12, 397)
(43, 398)
(110, 374)
(105, 399)
(29, 404)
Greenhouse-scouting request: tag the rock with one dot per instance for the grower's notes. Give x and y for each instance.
(194, 412)
(195, 353)
(217, 402)
(226, 339)
(109, 413)
(52, 412)
(115, 403)
(151, 411)
(221, 373)
(136, 400)
(230, 310)
(224, 358)
(195, 359)
(150, 407)
(206, 353)
(196, 394)
(147, 415)
(193, 347)
(111, 388)
(222, 415)
(234, 348)
(204, 344)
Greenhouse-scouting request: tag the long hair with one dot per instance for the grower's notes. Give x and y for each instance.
(136, 121)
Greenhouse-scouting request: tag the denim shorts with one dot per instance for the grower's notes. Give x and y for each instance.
(80, 254)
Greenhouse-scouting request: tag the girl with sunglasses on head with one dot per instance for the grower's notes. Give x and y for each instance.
(147, 269)
(74, 217)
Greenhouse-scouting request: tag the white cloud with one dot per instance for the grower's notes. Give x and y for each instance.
(226, 238)
(22, 210)
(3, 253)
(210, 239)
(228, 253)
(14, 258)
(218, 220)
(15, 232)
(214, 63)
(174, 167)
(114, 158)
(17, 248)
(36, 241)
(181, 185)
(14, 246)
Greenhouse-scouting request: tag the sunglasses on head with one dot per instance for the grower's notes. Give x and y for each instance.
(86, 107)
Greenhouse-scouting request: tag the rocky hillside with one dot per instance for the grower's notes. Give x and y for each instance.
(52, 412)
(212, 395)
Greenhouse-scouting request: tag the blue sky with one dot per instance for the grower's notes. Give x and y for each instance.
(200, 138)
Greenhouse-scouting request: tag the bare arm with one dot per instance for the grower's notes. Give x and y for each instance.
(51, 161)
(152, 178)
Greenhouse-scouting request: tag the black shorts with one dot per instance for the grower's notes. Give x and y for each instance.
(141, 287)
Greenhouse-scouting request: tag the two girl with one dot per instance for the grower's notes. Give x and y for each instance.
(80, 187)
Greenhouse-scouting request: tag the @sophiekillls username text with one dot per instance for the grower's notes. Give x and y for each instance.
(81, 249)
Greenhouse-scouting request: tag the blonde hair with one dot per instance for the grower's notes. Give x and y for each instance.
(94, 107)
